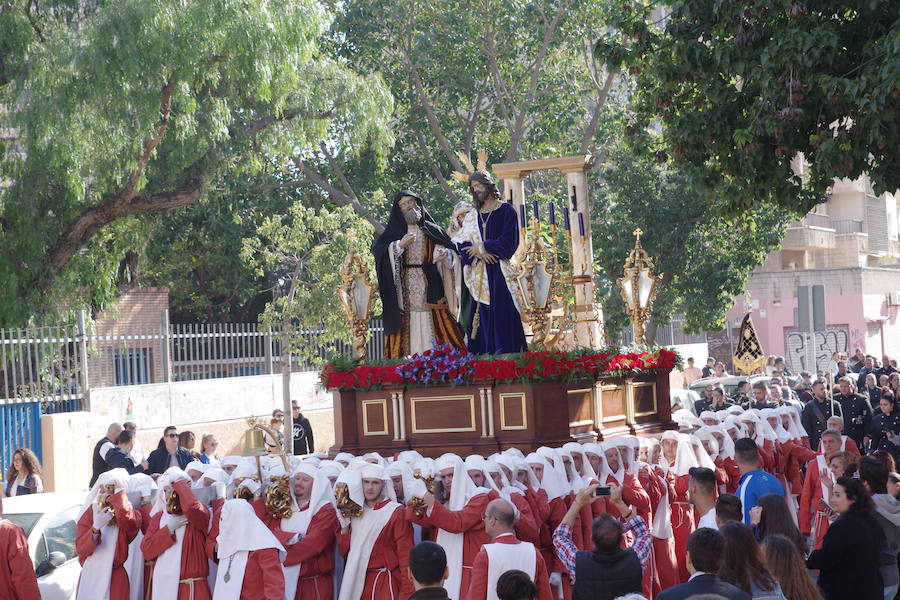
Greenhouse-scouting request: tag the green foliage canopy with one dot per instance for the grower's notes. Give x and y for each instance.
(136, 107)
(741, 87)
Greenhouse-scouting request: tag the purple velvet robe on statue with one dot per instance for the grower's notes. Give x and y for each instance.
(500, 330)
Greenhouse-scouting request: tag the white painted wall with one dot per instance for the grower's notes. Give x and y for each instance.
(204, 401)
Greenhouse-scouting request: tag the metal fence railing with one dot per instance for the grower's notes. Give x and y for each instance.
(20, 427)
(56, 366)
(670, 334)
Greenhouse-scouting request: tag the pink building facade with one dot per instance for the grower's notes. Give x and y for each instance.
(849, 244)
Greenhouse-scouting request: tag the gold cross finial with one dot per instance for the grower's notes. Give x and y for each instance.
(638, 233)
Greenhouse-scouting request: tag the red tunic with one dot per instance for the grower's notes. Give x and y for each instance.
(541, 508)
(664, 548)
(387, 572)
(809, 512)
(467, 521)
(263, 577)
(793, 456)
(194, 565)
(682, 524)
(734, 474)
(722, 477)
(526, 528)
(128, 524)
(477, 589)
(767, 459)
(651, 485)
(315, 552)
(17, 579)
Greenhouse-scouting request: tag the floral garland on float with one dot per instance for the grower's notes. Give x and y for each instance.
(444, 364)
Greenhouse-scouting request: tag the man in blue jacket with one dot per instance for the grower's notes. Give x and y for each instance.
(705, 554)
(754, 482)
(170, 454)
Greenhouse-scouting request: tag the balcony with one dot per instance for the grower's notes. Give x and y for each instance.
(845, 226)
(801, 236)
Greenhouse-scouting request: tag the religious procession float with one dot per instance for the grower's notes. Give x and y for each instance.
(493, 338)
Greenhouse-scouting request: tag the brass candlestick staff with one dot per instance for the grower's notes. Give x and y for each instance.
(638, 287)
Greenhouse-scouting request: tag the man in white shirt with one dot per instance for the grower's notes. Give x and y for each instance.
(702, 495)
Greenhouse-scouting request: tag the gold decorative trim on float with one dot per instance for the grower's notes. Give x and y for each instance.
(641, 384)
(365, 416)
(415, 421)
(520, 396)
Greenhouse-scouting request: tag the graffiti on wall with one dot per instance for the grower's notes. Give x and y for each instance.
(825, 343)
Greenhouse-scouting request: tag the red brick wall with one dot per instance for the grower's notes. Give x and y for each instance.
(137, 312)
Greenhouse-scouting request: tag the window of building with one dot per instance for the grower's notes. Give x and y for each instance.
(132, 366)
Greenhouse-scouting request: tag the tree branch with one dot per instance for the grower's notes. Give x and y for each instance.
(187, 193)
(338, 170)
(334, 194)
(430, 116)
(423, 148)
(518, 131)
(591, 128)
(258, 125)
(80, 230)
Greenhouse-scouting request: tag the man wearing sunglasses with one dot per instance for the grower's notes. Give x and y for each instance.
(168, 453)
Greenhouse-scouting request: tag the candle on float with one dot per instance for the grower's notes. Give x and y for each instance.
(534, 208)
(552, 213)
(522, 215)
(566, 225)
(581, 224)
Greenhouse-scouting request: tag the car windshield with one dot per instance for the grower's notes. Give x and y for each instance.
(24, 520)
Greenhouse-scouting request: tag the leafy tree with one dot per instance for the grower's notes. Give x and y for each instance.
(133, 108)
(702, 256)
(516, 79)
(300, 253)
(742, 87)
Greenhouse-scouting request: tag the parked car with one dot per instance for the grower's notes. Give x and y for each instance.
(49, 522)
(684, 399)
(730, 383)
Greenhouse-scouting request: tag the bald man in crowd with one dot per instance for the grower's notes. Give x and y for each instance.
(504, 553)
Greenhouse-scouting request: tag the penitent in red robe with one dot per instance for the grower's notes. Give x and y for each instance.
(682, 523)
(664, 548)
(315, 552)
(263, 577)
(17, 579)
(526, 527)
(467, 521)
(194, 565)
(653, 487)
(387, 573)
(128, 523)
(477, 589)
(809, 515)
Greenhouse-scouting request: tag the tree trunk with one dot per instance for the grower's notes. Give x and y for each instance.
(286, 388)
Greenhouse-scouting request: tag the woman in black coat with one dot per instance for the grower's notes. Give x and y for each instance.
(848, 560)
(885, 420)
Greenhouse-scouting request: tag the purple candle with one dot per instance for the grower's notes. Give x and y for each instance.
(581, 224)
(566, 225)
(522, 215)
(534, 207)
(552, 213)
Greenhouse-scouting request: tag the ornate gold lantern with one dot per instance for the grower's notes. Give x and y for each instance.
(536, 281)
(357, 297)
(638, 287)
